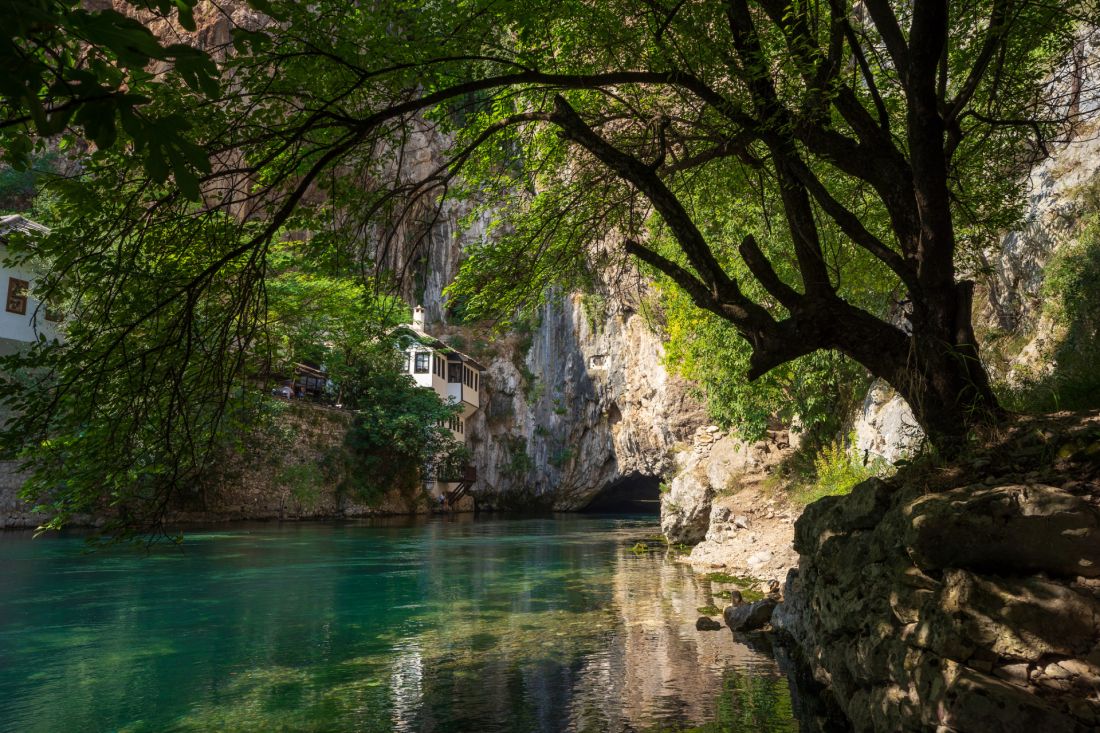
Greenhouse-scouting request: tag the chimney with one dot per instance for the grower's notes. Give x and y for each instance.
(418, 317)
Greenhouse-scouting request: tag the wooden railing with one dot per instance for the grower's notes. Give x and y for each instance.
(469, 476)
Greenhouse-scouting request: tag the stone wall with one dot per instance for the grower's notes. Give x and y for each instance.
(299, 474)
(14, 512)
(302, 473)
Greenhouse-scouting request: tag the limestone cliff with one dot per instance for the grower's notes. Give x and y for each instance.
(578, 402)
(592, 404)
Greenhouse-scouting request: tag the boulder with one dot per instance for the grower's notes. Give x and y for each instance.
(1005, 529)
(751, 616)
(885, 428)
(705, 623)
(685, 509)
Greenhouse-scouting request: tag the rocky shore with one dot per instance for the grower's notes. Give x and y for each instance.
(955, 596)
(723, 501)
(959, 597)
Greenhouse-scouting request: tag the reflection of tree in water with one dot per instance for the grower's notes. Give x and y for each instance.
(747, 703)
(751, 703)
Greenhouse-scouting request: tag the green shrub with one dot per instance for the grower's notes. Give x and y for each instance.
(517, 462)
(304, 481)
(835, 472)
(1071, 300)
(561, 457)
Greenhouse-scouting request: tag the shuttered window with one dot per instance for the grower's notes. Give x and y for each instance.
(17, 295)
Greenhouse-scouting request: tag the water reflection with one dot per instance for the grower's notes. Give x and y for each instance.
(502, 625)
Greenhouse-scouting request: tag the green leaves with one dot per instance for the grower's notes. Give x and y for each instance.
(98, 72)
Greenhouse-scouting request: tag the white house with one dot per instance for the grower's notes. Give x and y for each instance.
(454, 376)
(24, 317)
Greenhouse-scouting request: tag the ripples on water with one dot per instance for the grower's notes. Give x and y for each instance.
(446, 626)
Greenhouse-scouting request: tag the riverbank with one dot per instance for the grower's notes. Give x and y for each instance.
(956, 596)
(241, 502)
(297, 468)
(960, 596)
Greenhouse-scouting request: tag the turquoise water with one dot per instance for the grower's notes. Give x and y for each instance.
(445, 626)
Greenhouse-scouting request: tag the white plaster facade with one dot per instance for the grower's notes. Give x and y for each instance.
(454, 376)
(23, 318)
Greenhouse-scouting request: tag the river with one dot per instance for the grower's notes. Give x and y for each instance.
(445, 625)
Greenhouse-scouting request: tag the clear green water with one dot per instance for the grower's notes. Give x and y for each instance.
(445, 626)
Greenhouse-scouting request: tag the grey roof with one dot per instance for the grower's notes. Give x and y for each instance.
(18, 223)
(427, 339)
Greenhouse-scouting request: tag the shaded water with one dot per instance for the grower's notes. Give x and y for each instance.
(491, 625)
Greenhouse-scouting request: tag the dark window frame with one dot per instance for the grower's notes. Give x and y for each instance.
(421, 362)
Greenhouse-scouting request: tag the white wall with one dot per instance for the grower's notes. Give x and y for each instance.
(21, 327)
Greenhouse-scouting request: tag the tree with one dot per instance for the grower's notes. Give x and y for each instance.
(64, 67)
(868, 128)
(755, 152)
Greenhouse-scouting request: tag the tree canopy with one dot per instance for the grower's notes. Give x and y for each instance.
(813, 173)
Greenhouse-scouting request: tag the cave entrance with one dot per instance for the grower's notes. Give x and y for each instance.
(634, 493)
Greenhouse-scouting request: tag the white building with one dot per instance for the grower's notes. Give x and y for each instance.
(24, 317)
(454, 376)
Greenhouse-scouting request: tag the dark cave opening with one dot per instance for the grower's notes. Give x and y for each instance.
(635, 493)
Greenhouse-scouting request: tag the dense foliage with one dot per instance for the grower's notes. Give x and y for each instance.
(147, 393)
(101, 72)
(400, 434)
(811, 173)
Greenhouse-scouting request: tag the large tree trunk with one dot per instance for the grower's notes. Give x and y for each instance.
(937, 369)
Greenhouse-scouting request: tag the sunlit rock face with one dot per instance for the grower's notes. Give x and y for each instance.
(1058, 195)
(885, 428)
(577, 406)
(596, 405)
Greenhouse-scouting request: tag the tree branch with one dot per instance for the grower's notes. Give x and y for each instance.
(761, 268)
(994, 36)
(882, 15)
(853, 228)
(646, 180)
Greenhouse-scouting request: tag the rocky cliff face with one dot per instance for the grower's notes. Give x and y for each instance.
(573, 404)
(577, 401)
(1017, 340)
(580, 404)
